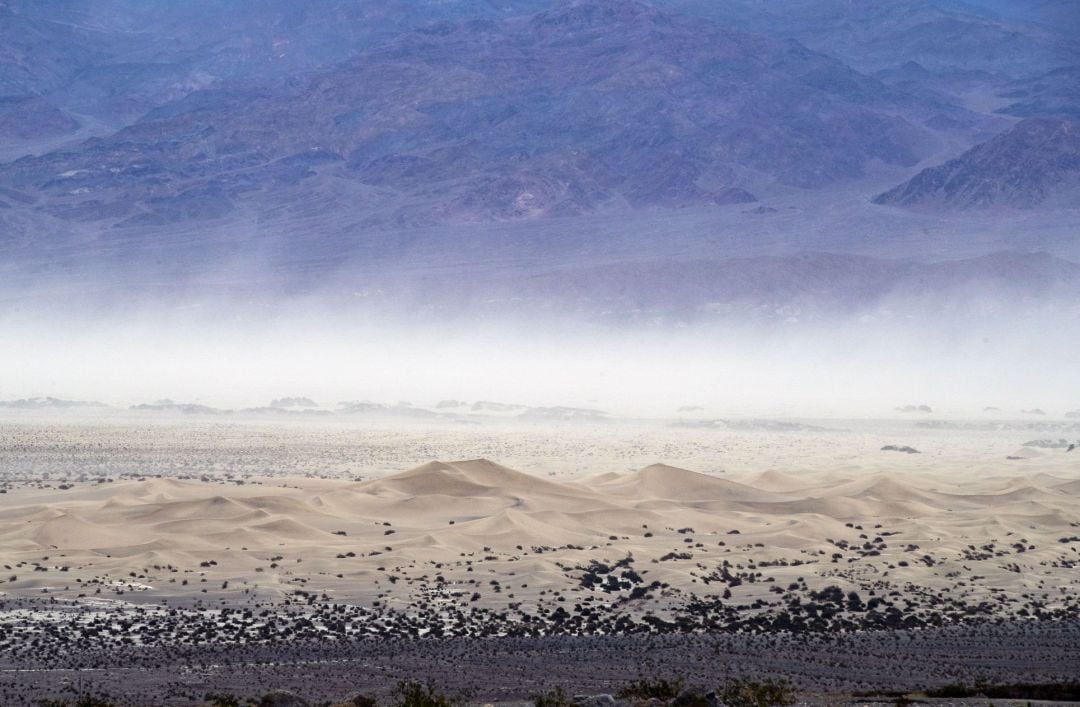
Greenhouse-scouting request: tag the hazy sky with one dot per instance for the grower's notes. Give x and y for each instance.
(850, 367)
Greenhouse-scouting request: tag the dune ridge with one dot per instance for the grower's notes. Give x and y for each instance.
(477, 533)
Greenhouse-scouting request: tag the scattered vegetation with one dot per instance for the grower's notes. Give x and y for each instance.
(553, 698)
(414, 694)
(740, 692)
(224, 701)
(743, 692)
(83, 701)
(659, 688)
(1051, 692)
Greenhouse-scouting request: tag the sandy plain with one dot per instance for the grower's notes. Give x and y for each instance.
(149, 533)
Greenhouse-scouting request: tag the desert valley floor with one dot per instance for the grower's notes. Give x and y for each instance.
(336, 555)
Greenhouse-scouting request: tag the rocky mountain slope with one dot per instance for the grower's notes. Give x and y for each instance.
(603, 103)
(945, 36)
(1054, 94)
(1036, 160)
(162, 143)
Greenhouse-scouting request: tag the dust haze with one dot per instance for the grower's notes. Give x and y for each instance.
(584, 353)
(857, 365)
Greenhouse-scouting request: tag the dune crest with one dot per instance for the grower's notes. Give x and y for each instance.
(462, 530)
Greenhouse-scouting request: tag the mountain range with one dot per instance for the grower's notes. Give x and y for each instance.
(1034, 161)
(166, 143)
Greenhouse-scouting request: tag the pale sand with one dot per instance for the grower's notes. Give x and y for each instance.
(987, 528)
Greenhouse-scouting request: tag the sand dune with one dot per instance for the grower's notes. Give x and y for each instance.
(69, 531)
(776, 480)
(465, 478)
(663, 481)
(1068, 487)
(476, 525)
(511, 528)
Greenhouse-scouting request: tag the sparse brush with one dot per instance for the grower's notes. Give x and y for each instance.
(413, 694)
(223, 701)
(743, 692)
(1048, 692)
(83, 701)
(553, 698)
(659, 688)
(956, 690)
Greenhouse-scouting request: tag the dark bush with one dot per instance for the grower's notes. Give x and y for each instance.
(84, 701)
(659, 688)
(413, 694)
(1050, 692)
(553, 698)
(954, 690)
(743, 692)
(223, 700)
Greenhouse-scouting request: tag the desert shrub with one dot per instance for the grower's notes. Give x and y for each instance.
(1050, 692)
(92, 701)
(743, 692)
(553, 698)
(956, 690)
(83, 701)
(413, 694)
(659, 688)
(223, 701)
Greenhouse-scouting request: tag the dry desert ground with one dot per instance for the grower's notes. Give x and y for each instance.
(845, 555)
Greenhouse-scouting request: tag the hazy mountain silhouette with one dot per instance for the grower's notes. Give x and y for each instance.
(1023, 167)
(159, 140)
(607, 102)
